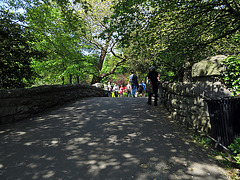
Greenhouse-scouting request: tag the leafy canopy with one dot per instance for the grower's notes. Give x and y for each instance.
(173, 32)
(16, 53)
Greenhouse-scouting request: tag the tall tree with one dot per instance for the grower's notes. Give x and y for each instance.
(100, 35)
(16, 53)
(60, 35)
(175, 32)
(206, 21)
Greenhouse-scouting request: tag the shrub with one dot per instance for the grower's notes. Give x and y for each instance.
(231, 76)
(235, 148)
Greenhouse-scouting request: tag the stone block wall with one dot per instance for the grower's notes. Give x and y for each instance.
(186, 104)
(17, 104)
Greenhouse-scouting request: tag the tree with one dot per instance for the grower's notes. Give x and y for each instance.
(61, 36)
(100, 35)
(175, 32)
(206, 21)
(16, 54)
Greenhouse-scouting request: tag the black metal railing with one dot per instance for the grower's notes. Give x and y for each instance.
(225, 119)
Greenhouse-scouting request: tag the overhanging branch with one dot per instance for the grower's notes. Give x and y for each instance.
(123, 59)
(220, 37)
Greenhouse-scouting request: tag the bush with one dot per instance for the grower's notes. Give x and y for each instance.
(235, 148)
(231, 76)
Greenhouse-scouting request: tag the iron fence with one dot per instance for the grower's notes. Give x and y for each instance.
(225, 119)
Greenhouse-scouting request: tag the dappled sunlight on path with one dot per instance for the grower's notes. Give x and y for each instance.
(99, 139)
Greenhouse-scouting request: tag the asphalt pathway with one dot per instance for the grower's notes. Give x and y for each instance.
(102, 139)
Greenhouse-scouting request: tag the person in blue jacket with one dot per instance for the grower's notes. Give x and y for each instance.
(134, 83)
(144, 88)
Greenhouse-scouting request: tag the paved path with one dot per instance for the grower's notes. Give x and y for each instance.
(102, 139)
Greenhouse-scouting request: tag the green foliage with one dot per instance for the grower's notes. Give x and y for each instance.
(157, 32)
(108, 64)
(59, 35)
(167, 33)
(121, 74)
(203, 140)
(235, 148)
(16, 53)
(67, 31)
(231, 75)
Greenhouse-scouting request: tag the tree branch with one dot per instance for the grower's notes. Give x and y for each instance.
(116, 65)
(221, 36)
(231, 10)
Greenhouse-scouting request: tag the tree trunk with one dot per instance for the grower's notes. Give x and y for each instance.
(96, 79)
(102, 58)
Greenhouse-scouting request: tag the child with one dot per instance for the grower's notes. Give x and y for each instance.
(121, 91)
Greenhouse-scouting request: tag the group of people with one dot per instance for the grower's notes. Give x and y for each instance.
(152, 84)
(126, 90)
(133, 88)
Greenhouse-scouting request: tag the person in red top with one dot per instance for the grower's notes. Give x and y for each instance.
(125, 90)
(121, 91)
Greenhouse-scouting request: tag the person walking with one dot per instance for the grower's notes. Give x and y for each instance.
(129, 89)
(153, 77)
(140, 90)
(144, 88)
(134, 83)
(115, 89)
(125, 91)
(121, 91)
(109, 89)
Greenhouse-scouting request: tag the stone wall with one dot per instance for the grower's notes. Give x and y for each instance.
(185, 101)
(17, 104)
(186, 104)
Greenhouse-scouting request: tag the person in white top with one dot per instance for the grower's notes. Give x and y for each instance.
(115, 89)
(109, 89)
(129, 89)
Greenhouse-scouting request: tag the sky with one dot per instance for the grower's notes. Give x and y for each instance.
(4, 5)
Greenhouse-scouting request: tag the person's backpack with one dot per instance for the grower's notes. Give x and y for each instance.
(134, 79)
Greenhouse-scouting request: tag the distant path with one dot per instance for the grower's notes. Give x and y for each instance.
(102, 139)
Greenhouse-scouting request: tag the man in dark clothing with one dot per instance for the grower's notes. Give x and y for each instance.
(134, 83)
(153, 77)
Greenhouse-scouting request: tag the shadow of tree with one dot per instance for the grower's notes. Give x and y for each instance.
(102, 138)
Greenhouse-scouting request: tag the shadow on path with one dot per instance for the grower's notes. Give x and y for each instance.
(102, 139)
